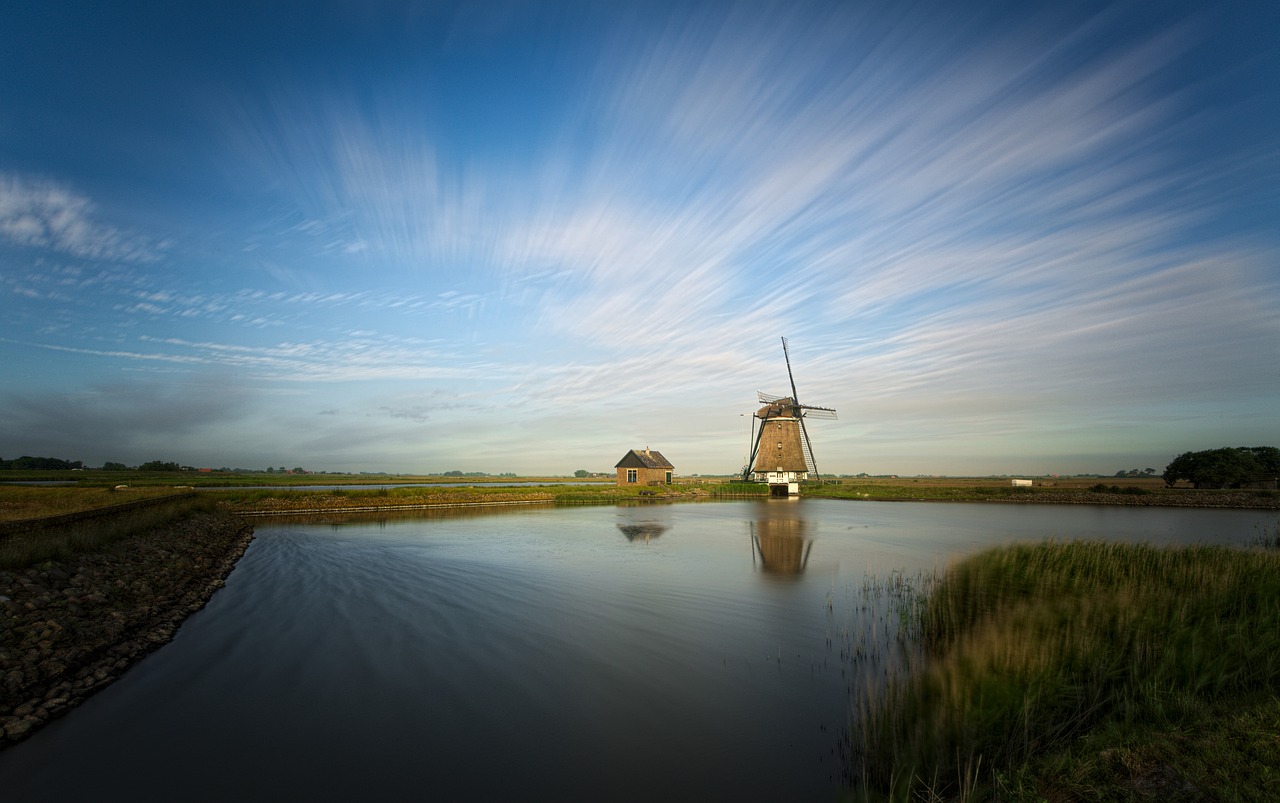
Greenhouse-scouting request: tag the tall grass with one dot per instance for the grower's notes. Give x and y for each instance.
(61, 541)
(1025, 648)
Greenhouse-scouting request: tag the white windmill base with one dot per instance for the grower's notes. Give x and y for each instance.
(788, 480)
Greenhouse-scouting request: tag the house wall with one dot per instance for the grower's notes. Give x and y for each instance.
(644, 476)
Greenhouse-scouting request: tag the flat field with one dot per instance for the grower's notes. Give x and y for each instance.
(238, 492)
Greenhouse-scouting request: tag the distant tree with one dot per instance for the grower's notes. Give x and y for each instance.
(28, 463)
(1222, 468)
(114, 467)
(157, 465)
(582, 472)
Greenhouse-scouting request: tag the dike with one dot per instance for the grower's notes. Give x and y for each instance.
(68, 628)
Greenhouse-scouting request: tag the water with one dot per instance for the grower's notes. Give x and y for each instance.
(622, 653)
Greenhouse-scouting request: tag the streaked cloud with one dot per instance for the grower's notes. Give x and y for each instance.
(987, 238)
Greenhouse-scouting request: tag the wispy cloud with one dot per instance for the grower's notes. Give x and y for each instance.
(47, 215)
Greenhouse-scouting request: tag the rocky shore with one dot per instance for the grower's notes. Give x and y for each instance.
(70, 627)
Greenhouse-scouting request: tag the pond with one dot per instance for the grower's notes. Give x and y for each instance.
(623, 653)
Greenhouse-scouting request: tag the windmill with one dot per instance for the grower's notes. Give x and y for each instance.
(781, 452)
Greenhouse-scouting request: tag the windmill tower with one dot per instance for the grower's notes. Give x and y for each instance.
(782, 454)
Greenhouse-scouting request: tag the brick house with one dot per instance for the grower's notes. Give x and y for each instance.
(644, 467)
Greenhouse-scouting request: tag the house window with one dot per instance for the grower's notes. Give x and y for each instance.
(631, 475)
(668, 477)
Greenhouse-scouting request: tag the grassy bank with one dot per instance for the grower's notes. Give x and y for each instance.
(1086, 671)
(19, 502)
(266, 500)
(1134, 491)
(61, 541)
(240, 479)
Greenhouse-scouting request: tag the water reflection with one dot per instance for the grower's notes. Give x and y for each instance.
(781, 540)
(643, 523)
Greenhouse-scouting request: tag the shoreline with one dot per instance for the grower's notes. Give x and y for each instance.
(71, 627)
(336, 504)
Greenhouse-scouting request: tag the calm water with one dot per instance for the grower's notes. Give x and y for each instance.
(661, 651)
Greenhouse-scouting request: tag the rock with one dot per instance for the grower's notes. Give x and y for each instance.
(111, 608)
(16, 728)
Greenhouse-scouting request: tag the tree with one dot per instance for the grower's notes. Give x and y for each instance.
(29, 463)
(582, 472)
(1223, 468)
(114, 467)
(158, 465)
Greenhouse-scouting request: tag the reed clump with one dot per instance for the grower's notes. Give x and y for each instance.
(1025, 649)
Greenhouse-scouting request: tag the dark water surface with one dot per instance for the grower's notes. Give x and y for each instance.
(684, 651)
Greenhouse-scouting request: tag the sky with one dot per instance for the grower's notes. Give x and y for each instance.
(1000, 237)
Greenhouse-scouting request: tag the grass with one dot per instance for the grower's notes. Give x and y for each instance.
(1056, 670)
(220, 479)
(60, 542)
(19, 502)
(267, 500)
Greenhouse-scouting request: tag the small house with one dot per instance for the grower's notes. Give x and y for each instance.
(644, 467)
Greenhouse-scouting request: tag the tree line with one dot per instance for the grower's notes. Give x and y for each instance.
(1229, 467)
(29, 463)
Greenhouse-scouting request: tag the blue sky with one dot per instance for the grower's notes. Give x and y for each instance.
(1003, 238)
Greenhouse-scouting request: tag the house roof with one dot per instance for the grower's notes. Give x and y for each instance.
(643, 458)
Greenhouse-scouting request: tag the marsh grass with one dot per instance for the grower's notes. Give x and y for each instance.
(61, 541)
(1025, 649)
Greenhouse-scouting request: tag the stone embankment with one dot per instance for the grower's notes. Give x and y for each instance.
(70, 627)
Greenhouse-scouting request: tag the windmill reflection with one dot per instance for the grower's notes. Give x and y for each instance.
(781, 544)
(643, 524)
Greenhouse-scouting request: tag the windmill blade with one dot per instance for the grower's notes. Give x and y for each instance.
(768, 398)
(811, 411)
(790, 376)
